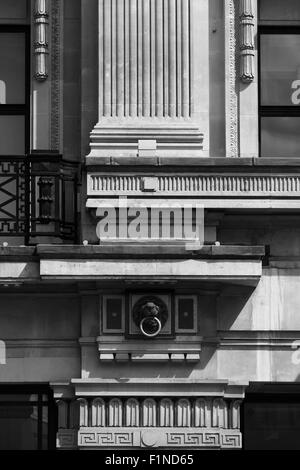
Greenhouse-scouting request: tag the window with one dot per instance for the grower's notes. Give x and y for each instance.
(279, 45)
(186, 313)
(271, 421)
(27, 418)
(14, 95)
(114, 314)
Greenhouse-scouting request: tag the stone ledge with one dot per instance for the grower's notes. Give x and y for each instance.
(102, 251)
(193, 162)
(170, 387)
(182, 349)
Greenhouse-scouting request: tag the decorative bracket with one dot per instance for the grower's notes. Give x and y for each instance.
(247, 53)
(41, 46)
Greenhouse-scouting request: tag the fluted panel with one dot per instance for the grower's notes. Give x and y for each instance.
(144, 48)
(132, 409)
(115, 409)
(166, 413)
(98, 412)
(183, 412)
(149, 412)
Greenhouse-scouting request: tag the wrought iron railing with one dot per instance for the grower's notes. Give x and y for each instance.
(38, 197)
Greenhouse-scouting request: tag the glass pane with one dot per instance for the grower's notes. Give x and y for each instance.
(44, 428)
(18, 428)
(186, 314)
(18, 397)
(273, 426)
(277, 10)
(12, 68)
(114, 314)
(12, 135)
(10, 9)
(280, 137)
(280, 69)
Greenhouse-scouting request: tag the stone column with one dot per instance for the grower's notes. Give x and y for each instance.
(150, 61)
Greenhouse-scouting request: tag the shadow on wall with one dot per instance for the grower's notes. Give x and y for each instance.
(217, 79)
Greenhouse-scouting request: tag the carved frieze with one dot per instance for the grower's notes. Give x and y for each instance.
(252, 185)
(159, 437)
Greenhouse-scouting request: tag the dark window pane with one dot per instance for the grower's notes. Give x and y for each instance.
(18, 428)
(114, 314)
(45, 420)
(279, 10)
(186, 314)
(12, 135)
(280, 137)
(280, 69)
(272, 426)
(10, 9)
(12, 68)
(18, 397)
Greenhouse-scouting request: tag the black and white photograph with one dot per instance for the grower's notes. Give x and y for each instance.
(149, 229)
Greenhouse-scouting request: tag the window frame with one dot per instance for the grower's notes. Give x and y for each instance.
(106, 330)
(20, 109)
(41, 391)
(274, 111)
(195, 310)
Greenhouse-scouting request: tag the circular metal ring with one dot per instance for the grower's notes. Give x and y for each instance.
(150, 335)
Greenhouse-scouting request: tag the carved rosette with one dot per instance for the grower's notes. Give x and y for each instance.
(247, 53)
(41, 47)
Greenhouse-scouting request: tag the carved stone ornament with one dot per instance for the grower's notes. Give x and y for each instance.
(150, 315)
(247, 53)
(41, 46)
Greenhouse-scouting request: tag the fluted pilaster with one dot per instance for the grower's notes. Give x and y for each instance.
(144, 49)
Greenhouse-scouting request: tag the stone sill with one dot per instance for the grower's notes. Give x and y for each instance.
(106, 250)
(99, 251)
(171, 387)
(200, 163)
(181, 349)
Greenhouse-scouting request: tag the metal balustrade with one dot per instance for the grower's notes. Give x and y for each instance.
(38, 198)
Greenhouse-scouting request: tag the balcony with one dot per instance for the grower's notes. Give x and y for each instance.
(38, 199)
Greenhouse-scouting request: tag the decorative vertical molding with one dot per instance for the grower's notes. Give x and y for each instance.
(220, 414)
(203, 413)
(247, 53)
(132, 412)
(183, 413)
(149, 412)
(83, 412)
(41, 47)
(115, 412)
(231, 94)
(56, 74)
(166, 413)
(235, 420)
(98, 413)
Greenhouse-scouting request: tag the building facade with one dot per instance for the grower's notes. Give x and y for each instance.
(121, 327)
